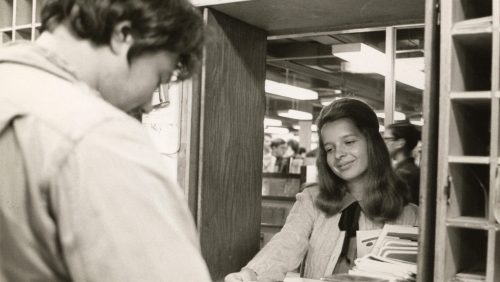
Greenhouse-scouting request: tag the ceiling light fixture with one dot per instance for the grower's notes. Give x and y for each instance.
(294, 114)
(272, 122)
(361, 58)
(276, 130)
(397, 115)
(328, 101)
(290, 91)
(418, 122)
(314, 128)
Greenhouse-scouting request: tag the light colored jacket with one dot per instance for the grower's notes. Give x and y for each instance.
(83, 194)
(307, 229)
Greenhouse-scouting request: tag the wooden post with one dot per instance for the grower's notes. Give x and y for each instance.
(231, 112)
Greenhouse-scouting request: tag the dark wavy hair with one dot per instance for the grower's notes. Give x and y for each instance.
(384, 197)
(156, 25)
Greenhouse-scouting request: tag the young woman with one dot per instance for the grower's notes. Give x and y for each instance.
(357, 190)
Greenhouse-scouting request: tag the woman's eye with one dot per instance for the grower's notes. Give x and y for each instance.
(350, 142)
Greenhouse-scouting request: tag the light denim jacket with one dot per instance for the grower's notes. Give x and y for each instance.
(83, 193)
(307, 229)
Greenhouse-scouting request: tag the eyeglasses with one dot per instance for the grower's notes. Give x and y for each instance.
(164, 100)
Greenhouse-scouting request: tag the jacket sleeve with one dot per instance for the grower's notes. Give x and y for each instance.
(287, 248)
(119, 217)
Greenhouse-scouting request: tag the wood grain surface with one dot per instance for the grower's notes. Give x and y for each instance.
(231, 140)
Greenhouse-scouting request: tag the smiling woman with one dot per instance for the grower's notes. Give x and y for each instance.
(362, 167)
(357, 190)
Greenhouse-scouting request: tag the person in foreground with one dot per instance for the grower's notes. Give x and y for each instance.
(357, 190)
(83, 193)
(401, 138)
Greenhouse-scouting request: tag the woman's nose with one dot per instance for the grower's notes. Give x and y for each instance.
(339, 153)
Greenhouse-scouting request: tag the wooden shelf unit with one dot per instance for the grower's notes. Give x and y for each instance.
(467, 233)
(470, 95)
(19, 20)
(278, 197)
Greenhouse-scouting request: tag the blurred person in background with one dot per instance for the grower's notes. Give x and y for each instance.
(296, 160)
(401, 139)
(279, 149)
(83, 193)
(268, 160)
(302, 152)
(292, 148)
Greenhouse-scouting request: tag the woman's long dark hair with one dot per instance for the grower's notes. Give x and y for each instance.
(384, 197)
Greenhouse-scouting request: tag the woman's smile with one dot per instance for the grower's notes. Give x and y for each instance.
(344, 165)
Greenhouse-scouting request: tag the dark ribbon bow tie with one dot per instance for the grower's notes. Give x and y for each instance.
(349, 223)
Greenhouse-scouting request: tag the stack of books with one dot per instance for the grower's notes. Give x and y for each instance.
(392, 257)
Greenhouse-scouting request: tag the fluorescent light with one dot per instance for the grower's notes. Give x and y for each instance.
(361, 58)
(272, 122)
(328, 101)
(276, 130)
(410, 71)
(290, 91)
(397, 115)
(314, 128)
(294, 114)
(419, 122)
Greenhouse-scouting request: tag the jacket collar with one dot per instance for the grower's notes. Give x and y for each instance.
(347, 201)
(30, 54)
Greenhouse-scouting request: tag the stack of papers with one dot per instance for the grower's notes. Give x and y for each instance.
(393, 256)
(398, 242)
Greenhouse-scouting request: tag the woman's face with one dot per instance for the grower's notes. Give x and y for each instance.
(346, 149)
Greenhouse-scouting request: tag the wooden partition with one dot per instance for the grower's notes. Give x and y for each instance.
(430, 131)
(230, 137)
